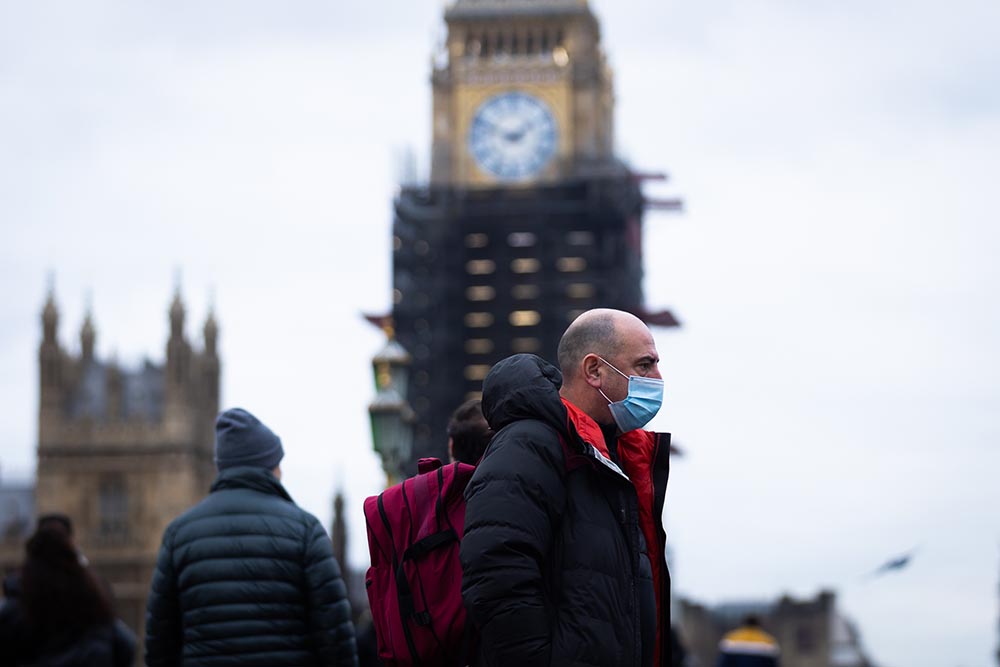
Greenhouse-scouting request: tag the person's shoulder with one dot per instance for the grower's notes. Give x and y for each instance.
(193, 513)
(533, 433)
(203, 517)
(306, 518)
(286, 511)
(177, 523)
(122, 635)
(521, 442)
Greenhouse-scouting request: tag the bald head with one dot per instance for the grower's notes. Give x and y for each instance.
(591, 332)
(614, 336)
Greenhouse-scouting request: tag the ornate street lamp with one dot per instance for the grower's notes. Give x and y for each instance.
(391, 415)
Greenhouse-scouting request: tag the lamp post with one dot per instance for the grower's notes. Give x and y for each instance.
(391, 415)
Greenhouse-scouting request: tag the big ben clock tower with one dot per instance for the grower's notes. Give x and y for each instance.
(525, 95)
(528, 218)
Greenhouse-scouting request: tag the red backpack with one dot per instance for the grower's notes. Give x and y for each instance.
(415, 579)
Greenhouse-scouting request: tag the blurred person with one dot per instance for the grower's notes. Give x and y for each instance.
(56, 521)
(468, 433)
(563, 553)
(61, 614)
(246, 577)
(418, 522)
(748, 646)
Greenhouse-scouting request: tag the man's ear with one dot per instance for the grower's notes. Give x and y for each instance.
(592, 370)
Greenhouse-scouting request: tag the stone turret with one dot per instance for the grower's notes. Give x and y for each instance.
(177, 390)
(178, 350)
(211, 333)
(87, 337)
(209, 371)
(51, 370)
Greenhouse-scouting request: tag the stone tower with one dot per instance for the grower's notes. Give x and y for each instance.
(124, 451)
(528, 220)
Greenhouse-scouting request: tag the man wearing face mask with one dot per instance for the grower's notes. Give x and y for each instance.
(563, 551)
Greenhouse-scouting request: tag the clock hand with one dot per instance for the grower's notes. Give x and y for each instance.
(514, 135)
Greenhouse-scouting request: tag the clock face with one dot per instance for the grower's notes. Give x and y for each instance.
(513, 135)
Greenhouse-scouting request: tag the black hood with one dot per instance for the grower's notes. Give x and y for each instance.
(523, 386)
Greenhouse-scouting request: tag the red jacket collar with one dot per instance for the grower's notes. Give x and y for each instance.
(636, 448)
(588, 429)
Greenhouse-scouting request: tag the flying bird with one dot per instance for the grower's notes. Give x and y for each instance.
(893, 564)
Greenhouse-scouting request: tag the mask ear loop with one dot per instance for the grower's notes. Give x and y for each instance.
(616, 371)
(612, 366)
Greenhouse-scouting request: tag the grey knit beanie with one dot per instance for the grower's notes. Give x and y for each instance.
(242, 440)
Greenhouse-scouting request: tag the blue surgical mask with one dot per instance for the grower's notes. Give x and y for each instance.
(643, 401)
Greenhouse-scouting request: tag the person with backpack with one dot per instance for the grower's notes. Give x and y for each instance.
(563, 553)
(414, 583)
(246, 577)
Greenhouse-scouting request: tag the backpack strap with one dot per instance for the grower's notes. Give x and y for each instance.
(403, 593)
(429, 543)
(421, 548)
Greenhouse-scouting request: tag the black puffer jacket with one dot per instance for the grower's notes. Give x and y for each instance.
(248, 578)
(554, 561)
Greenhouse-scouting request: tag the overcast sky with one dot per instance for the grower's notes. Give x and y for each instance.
(835, 383)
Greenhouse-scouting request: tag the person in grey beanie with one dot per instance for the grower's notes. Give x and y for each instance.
(246, 577)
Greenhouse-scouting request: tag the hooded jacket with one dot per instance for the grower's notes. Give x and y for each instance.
(562, 554)
(248, 578)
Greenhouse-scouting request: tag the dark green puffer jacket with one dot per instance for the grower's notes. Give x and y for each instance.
(248, 578)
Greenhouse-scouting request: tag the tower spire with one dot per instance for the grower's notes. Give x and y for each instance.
(50, 314)
(178, 350)
(87, 332)
(211, 328)
(210, 360)
(177, 314)
(211, 333)
(50, 358)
